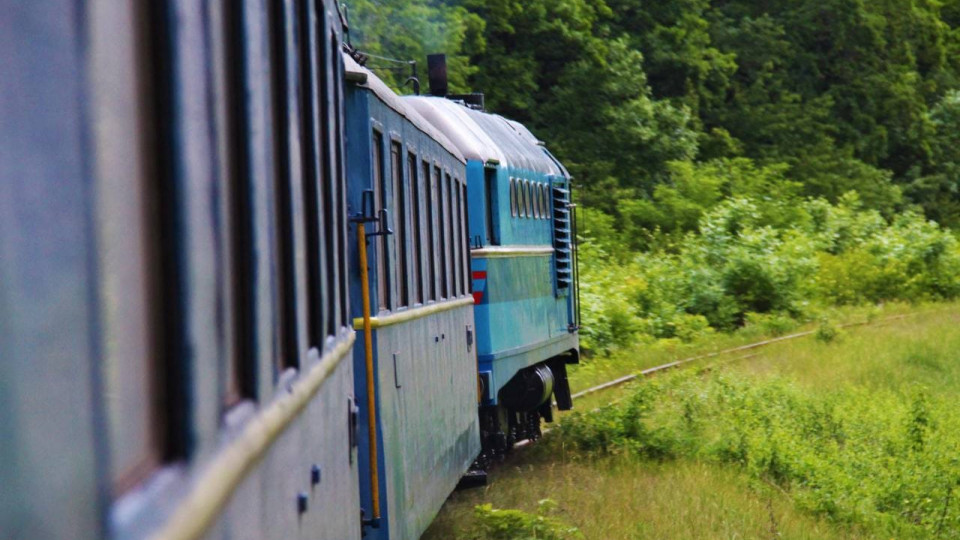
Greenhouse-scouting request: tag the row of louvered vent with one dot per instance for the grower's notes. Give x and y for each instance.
(562, 236)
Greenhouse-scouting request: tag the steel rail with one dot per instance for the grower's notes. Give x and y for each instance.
(677, 363)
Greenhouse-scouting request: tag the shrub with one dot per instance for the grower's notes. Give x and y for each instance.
(883, 459)
(739, 266)
(496, 524)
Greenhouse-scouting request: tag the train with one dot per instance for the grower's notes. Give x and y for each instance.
(249, 291)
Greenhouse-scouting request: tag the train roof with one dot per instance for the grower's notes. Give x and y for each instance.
(400, 106)
(485, 136)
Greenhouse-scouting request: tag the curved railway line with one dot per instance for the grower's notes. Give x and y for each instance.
(650, 372)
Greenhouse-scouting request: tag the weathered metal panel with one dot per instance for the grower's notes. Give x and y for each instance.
(265, 506)
(425, 372)
(427, 388)
(49, 464)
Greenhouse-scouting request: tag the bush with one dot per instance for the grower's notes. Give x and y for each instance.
(878, 458)
(751, 257)
(496, 524)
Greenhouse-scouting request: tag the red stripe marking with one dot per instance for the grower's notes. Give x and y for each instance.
(480, 274)
(477, 297)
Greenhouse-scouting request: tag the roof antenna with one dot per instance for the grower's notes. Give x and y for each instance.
(413, 78)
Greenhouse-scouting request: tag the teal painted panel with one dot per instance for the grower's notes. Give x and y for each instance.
(427, 390)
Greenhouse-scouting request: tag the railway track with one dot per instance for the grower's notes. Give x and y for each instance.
(650, 372)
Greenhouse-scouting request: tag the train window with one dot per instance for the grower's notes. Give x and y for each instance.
(529, 187)
(441, 231)
(383, 288)
(287, 353)
(521, 205)
(536, 200)
(516, 196)
(233, 154)
(544, 210)
(542, 200)
(450, 222)
(400, 218)
(313, 140)
(513, 198)
(546, 201)
(453, 192)
(338, 190)
(527, 197)
(456, 212)
(545, 213)
(490, 201)
(527, 203)
(430, 228)
(464, 240)
(131, 294)
(416, 230)
(137, 257)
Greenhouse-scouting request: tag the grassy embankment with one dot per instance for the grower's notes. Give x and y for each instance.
(854, 437)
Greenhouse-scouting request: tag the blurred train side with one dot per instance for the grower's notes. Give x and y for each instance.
(176, 351)
(424, 349)
(522, 270)
(180, 288)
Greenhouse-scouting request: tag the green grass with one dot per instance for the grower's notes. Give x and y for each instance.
(625, 497)
(853, 438)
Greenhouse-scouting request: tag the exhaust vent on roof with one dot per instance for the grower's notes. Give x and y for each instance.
(437, 70)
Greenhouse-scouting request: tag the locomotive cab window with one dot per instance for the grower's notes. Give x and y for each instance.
(544, 209)
(490, 200)
(536, 201)
(513, 198)
(543, 201)
(529, 197)
(521, 204)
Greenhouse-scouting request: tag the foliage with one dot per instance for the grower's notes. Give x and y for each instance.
(745, 254)
(408, 31)
(497, 524)
(738, 159)
(884, 458)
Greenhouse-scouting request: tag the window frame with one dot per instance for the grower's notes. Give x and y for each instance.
(399, 205)
(465, 239)
(378, 180)
(427, 182)
(442, 274)
(450, 263)
(529, 187)
(521, 202)
(416, 229)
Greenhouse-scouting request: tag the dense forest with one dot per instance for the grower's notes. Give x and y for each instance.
(737, 162)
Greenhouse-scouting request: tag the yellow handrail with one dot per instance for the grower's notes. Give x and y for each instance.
(368, 352)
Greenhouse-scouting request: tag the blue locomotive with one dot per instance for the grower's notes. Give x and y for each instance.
(247, 290)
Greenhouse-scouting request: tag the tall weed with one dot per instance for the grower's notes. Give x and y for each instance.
(751, 257)
(884, 459)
